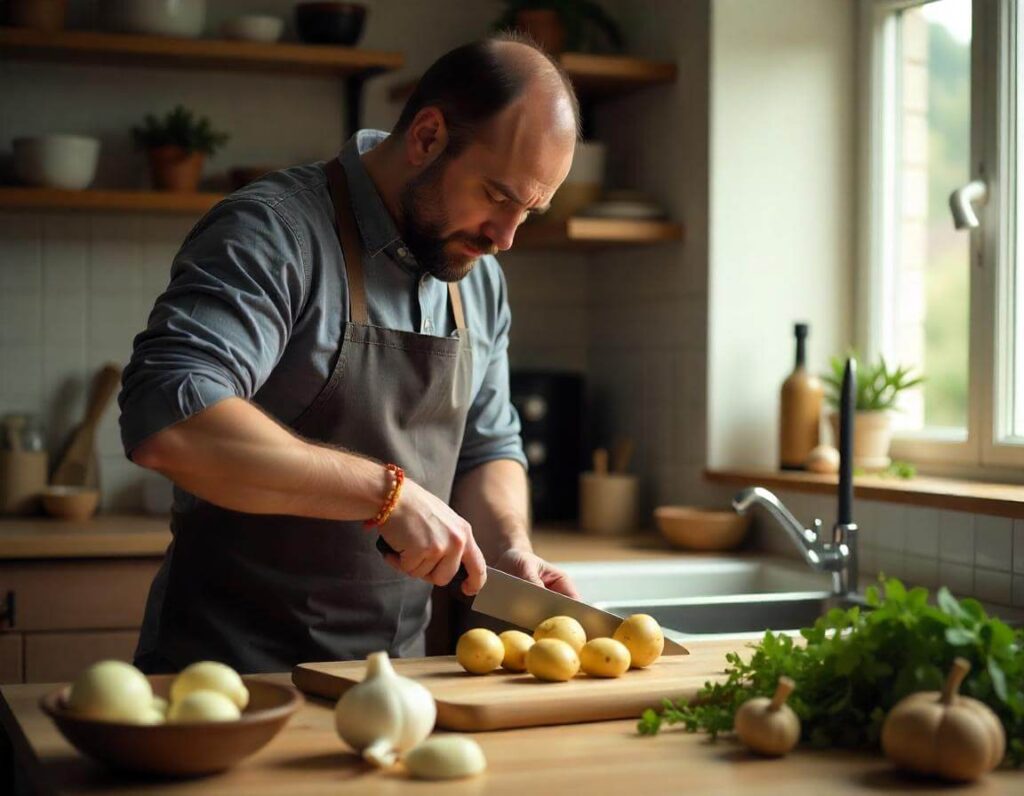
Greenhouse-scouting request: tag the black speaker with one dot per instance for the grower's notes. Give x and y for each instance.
(550, 407)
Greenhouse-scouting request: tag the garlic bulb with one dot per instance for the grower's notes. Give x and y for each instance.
(386, 714)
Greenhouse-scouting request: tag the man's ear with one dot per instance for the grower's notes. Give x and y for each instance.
(426, 138)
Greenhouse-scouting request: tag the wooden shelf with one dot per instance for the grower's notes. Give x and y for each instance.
(16, 198)
(116, 48)
(578, 233)
(595, 233)
(1004, 500)
(593, 76)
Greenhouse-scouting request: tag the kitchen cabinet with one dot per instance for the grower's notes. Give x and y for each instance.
(69, 613)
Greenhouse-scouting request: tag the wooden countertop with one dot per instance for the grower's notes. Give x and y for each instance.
(600, 758)
(126, 536)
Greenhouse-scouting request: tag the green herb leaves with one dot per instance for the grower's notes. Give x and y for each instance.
(855, 664)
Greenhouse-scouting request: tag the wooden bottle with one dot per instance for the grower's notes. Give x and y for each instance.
(802, 395)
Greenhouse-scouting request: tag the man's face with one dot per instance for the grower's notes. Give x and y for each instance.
(460, 208)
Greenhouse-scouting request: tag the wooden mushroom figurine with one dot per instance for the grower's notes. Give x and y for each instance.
(769, 726)
(944, 734)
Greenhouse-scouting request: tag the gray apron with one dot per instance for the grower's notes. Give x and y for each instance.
(265, 592)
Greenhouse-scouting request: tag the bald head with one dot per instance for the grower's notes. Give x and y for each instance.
(472, 84)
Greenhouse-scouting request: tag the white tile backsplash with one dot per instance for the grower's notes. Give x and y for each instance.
(1018, 547)
(958, 578)
(993, 542)
(922, 571)
(992, 586)
(922, 526)
(1018, 591)
(956, 537)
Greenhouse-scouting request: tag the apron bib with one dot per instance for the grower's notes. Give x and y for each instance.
(265, 592)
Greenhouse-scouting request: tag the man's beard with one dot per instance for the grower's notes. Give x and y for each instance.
(424, 219)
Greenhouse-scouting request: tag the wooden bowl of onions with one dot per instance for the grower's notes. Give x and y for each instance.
(179, 748)
(700, 529)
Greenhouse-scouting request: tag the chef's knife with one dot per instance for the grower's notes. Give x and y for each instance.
(526, 605)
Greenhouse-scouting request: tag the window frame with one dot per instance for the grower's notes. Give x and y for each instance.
(981, 453)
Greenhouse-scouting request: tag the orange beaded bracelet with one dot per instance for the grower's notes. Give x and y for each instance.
(391, 500)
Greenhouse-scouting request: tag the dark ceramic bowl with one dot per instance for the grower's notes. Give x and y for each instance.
(329, 23)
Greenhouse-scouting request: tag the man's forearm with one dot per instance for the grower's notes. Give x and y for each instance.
(237, 457)
(495, 499)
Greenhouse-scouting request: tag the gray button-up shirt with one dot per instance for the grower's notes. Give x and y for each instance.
(257, 299)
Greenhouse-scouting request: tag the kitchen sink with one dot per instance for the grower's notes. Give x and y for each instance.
(708, 597)
(706, 616)
(632, 581)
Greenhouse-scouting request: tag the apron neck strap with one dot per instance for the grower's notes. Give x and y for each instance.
(352, 248)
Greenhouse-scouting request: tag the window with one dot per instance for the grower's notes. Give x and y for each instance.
(943, 80)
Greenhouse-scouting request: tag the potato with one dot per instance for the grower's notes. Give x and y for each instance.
(203, 706)
(642, 636)
(564, 628)
(517, 644)
(604, 657)
(552, 659)
(210, 676)
(479, 651)
(111, 690)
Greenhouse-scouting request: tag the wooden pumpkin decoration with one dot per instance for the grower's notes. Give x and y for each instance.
(944, 734)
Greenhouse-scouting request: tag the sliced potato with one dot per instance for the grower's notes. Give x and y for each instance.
(604, 657)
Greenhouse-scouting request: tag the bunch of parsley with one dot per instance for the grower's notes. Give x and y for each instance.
(856, 664)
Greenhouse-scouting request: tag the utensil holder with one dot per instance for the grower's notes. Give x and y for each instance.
(22, 480)
(608, 502)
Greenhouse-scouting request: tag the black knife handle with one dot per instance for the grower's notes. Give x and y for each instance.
(387, 550)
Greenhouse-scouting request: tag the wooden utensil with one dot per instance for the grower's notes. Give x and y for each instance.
(471, 703)
(601, 461)
(621, 454)
(77, 466)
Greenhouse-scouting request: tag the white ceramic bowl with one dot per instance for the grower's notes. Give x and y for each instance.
(181, 18)
(56, 161)
(253, 27)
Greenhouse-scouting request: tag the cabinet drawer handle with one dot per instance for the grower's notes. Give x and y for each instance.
(7, 611)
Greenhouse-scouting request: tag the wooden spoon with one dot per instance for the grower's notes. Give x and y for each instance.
(77, 467)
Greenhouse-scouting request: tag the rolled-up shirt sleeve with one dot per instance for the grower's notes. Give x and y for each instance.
(235, 291)
(492, 425)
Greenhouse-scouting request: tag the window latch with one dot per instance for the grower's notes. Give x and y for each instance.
(961, 203)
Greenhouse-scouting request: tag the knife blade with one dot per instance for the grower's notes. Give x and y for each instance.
(526, 604)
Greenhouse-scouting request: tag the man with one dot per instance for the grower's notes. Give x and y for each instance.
(326, 330)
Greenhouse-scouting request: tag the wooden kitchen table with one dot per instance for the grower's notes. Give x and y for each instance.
(603, 758)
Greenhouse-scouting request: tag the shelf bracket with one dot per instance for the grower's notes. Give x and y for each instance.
(354, 100)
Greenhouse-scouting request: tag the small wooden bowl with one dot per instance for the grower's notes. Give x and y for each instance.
(188, 749)
(70, 502)
(701, 529)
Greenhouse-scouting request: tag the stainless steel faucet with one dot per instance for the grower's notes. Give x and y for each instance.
(838, 555)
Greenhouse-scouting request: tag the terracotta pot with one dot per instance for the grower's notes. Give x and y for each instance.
(38, 14)
(872, 435)
(544, 27)
(174, 169)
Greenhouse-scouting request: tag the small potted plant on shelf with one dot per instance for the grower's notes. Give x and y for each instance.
(878, 389)
(177, 146)
(558, 25)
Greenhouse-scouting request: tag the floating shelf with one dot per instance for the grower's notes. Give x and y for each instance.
(15, 198)
(595, 233)
(593, 76)
(116, 48)
(578, 233)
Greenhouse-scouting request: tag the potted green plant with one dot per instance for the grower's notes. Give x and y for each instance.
(878, 389)
(558, 25)
(177, 146)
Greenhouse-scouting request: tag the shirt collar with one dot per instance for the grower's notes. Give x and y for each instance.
(376, 226)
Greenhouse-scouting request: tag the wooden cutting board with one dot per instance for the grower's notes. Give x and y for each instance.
(473, 703)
